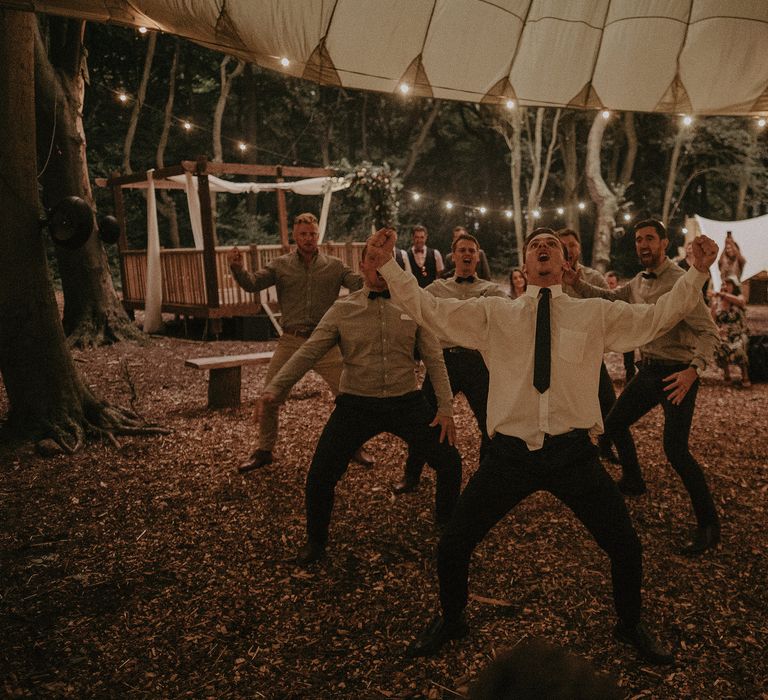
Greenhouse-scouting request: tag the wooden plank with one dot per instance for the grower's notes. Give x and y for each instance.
(254, 358)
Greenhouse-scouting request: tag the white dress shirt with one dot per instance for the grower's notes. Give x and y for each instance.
(504, 333)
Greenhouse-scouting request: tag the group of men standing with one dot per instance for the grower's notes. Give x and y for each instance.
(530, 369)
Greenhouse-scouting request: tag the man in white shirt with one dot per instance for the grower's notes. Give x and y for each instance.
(544, 362)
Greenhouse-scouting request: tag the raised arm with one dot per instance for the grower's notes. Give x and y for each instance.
(250, 281)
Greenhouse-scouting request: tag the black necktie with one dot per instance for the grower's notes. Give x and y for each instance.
(375, 295)
(543, 351)
(461, 280)
(648, 275)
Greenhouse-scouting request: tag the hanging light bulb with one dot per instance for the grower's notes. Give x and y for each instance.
(508, 213)
(685, 230)
(416, 196)
(560, 211)
(122, 97)
(242, 146)
(449, 205)
(761, 122)
(627, 216)
(404, 88)
(582, 206)
(605, 114)
(187, 125)
(482, 210)
(284, 62)
(687, 120)
(536, 213)
(509, 104)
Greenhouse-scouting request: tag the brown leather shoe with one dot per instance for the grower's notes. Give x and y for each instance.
(647, 646)
(407, 485)
(309, 554)
(704, 538)
(364, 457)
(435, 635)
(259, 459)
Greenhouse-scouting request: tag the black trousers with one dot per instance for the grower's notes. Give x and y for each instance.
(567, 467)
(354, 421)
(644, 392)
(606, 395)
(469, 375)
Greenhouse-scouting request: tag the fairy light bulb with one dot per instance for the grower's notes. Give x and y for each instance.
(449, 205)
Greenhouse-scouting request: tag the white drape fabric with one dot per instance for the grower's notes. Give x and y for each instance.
(323, 223)
(193, 204)
(309, 186)
(153, 296)
(750, 234)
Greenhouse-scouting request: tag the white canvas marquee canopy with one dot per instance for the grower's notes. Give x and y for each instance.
(693, 56)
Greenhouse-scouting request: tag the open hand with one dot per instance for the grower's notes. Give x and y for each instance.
(680, 384)
(447, 428)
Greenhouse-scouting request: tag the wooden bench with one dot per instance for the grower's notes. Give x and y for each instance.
(224, 380)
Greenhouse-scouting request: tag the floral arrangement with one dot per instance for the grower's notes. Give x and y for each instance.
(381, 186)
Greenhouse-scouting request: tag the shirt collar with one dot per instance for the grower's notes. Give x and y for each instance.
(661, 268)
(533, 290)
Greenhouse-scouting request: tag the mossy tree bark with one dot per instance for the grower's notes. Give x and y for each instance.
(93, 314)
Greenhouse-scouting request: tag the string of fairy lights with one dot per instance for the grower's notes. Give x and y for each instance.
(404, 88)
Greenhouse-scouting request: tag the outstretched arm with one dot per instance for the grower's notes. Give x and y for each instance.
(249, 281)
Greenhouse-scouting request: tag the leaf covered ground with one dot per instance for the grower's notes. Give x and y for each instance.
(156, 570)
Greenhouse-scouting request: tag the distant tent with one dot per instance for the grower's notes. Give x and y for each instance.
(750, 234)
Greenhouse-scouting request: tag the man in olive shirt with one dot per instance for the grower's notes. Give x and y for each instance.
(377, 393)
(466, 370)
(606, 394)
(307, 282)
(483, 268)
(670, 367)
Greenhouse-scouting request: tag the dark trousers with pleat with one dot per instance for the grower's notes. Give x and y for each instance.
(468, 375)
(567, 467)
(644, 392)
(354, 421)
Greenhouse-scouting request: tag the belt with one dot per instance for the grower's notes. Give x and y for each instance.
(457, 349)
(299, 331)
(563, 437)
(659, 362)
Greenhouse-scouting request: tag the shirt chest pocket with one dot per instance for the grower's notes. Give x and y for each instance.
(571, 345)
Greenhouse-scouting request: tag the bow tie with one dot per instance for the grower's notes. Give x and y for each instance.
(648, 275)
(375, 295)
(461, 280)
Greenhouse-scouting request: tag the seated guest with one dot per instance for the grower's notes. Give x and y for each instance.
(728, 312)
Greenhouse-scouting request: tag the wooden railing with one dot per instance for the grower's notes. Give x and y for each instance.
(184, 277)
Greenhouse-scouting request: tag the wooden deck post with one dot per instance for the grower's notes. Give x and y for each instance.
(282, 212)
(209, 245)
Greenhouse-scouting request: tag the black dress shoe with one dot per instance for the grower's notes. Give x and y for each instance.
(310, 553)
(704, 538)
(407, 485)
(259, 459)
(642, 640)
(363, 457)
(632, 486)
(437, 633)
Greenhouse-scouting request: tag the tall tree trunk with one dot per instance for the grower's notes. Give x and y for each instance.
(628, 166)
(46, 395)
(141, 95)
(669, 190)
(93, 314)
(510, 127)
(540, 174)
(218, 118)
(604, 198)
(417, 145)
(570, 174)
(167, 206)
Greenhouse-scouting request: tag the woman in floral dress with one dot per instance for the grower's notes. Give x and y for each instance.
(728, 310)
